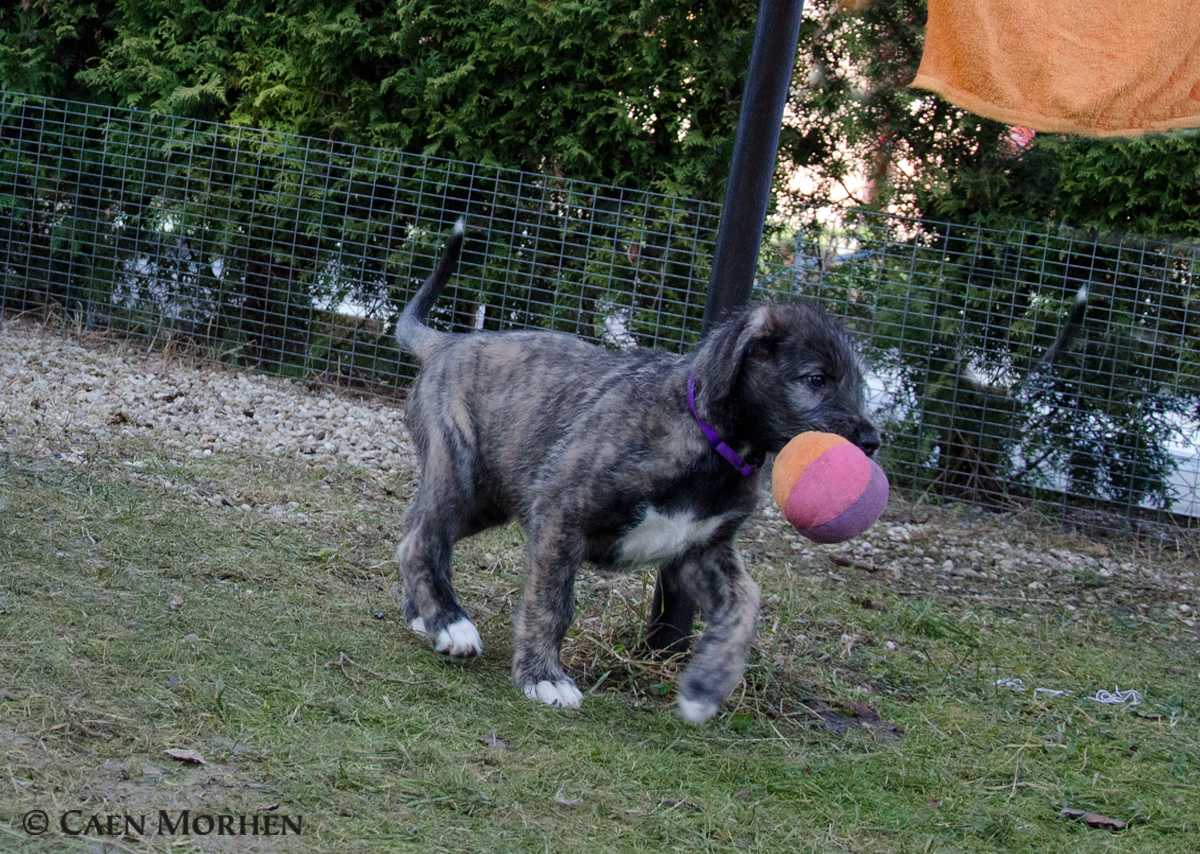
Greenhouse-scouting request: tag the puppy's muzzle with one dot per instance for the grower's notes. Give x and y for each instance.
(867, 438)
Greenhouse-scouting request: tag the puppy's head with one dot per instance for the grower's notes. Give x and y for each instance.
(777, 370)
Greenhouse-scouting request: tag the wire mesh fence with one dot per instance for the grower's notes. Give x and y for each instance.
(989, 391)
(294, 255)
(291, 254)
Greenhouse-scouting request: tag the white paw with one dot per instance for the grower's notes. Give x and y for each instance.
(696, 711)
(418, 626)
(459, 639)
(562, 693)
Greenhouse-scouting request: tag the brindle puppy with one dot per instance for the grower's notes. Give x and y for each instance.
(601, 458)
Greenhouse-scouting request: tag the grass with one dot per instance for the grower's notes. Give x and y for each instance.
(138, 616)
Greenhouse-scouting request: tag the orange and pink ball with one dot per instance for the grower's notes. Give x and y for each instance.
(827, 487)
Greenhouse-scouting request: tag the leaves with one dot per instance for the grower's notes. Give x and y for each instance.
(1145, 186)
(856, 120)
(1092, 819)
(858, 716)
(641, 93)
(188, 756)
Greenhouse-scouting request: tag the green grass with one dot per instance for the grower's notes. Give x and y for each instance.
(136, 618)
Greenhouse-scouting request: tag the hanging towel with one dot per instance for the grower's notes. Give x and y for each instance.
(1094, 67)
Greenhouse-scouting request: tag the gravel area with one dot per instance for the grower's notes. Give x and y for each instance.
(58, 396)
(61, 394)
(957, 553)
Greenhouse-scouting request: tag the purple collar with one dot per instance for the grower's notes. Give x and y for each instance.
(714, 439)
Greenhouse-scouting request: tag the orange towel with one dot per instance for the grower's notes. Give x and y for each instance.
(1094, 67)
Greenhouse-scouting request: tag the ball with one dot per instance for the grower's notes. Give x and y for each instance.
(827, 487)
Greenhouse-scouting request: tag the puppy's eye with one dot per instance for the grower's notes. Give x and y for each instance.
(815, 381)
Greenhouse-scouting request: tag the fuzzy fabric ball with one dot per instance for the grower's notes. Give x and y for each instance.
(827, 487)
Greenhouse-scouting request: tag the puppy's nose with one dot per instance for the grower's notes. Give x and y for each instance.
(867, 438)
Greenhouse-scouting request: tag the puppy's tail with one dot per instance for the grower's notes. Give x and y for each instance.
(412, 334)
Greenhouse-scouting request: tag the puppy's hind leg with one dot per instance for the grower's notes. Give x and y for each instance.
(430, 608)
(547, 607)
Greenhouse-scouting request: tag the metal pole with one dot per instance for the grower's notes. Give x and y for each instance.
(738, 238)
(753, 167)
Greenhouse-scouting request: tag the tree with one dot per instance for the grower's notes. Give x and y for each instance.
(1145, 186)
(44, 46)
(638, 93)
(960, 303)
(856, 116)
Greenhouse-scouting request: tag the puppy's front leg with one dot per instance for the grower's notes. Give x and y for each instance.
(546, 611)
(728, 600)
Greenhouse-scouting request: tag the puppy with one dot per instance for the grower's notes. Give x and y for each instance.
(617, 458)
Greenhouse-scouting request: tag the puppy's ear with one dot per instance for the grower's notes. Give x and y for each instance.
(754, 334)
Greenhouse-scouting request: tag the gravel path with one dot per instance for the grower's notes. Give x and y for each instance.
(58, 396)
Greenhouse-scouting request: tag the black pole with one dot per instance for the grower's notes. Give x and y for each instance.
(750, 173)
(738, 238)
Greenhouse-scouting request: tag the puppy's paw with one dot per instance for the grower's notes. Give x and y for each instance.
(418, 626)
(460, 639)
(561, 693)
(697, 711)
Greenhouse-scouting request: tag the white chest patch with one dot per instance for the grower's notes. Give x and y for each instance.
(662, 535)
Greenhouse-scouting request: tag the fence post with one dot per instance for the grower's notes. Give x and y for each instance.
(739, 235)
